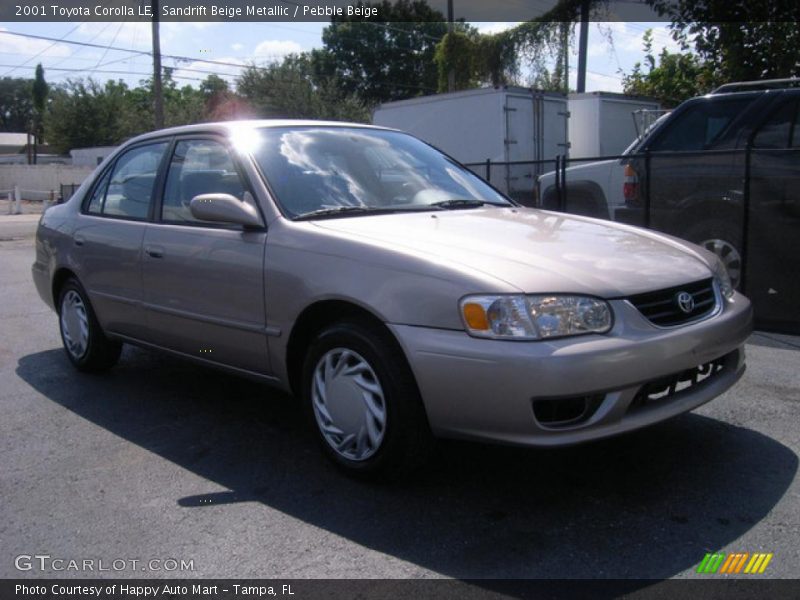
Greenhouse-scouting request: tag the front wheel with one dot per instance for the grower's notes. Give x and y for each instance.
(87, 347)
(725, 241)
(363, 402)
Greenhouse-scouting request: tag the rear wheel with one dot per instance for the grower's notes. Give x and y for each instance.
(86, 345)
(363, 402)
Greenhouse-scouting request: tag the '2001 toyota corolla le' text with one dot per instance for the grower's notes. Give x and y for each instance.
(398, 295)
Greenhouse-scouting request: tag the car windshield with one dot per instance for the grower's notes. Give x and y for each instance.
(318, 171)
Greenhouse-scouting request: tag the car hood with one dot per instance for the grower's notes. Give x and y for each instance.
(534, 250)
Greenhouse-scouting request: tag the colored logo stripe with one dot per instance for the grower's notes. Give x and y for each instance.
(718, 562)
(711, 562)
(758, 564)
(734, 563)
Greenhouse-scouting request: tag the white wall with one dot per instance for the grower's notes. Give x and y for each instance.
(90, 157)
(41, 177)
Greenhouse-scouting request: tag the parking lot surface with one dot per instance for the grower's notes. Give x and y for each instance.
(160, 459)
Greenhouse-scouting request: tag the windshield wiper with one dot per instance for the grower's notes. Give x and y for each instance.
(464, 203)
(335, 210)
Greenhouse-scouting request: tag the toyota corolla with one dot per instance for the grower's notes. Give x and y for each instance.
(395, 293)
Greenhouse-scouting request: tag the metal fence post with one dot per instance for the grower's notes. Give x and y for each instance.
(564, 183)
(647, 199)
(17, 200)
(11, 203)
(488, 169)
(745, 217)
(558, 180)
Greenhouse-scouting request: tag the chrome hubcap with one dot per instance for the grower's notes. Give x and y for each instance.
(348, 404)
(74, 324)
(729, 256)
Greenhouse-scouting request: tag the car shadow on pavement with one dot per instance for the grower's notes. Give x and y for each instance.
(646, 505)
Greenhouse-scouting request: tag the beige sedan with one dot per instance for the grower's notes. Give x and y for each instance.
(395, 293)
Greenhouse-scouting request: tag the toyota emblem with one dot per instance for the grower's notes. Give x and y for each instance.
(685, 301)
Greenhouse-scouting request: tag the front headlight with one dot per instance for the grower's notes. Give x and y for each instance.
(723, 279)
(519, 317)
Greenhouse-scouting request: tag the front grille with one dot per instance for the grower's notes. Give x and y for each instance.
(662, 307)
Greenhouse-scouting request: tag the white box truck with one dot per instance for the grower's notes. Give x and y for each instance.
(505, 125)
(605, 123)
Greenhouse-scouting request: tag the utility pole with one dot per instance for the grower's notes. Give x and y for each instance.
(158, 93)
(583, 44)
(451, 74)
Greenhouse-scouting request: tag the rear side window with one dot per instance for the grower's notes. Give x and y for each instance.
(130, 190)
(700, 125)
(776, 132)
(198, 167)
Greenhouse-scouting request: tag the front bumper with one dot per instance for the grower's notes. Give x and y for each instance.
(486, 389)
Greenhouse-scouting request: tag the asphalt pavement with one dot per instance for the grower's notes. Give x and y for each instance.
(160, 459)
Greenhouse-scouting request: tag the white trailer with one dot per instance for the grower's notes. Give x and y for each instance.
(506, 124)
(605, 123)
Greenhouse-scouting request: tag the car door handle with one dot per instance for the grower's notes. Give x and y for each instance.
(79, 240)
(154, 251)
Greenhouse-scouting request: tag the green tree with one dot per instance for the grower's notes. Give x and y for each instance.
(16, 104)
(738, 40)
(670, 77)
(290, 89)
(213, 84)
(39, 90)
(86, 113)
(387, 61)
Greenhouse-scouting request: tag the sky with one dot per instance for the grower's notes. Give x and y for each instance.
(262, 42)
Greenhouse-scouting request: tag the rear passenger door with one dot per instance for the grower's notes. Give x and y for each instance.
(107, 240)
(204, 282)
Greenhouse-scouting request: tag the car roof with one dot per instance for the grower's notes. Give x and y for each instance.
(227, 127)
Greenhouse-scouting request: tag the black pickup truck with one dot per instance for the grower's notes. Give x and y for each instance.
(710, 157)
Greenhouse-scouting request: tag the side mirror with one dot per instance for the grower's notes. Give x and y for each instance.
(224, 208)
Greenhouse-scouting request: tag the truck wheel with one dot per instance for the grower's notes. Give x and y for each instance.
(723, 240)
(363, 402)
(87, 347)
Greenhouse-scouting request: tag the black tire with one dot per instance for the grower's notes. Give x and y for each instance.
(100, 353)
(407, 440)
(729, 248)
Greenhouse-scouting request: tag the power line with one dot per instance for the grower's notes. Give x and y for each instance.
(138, 52)
(185, 58)
(35, 56)
(93, 38)
(114, 39)
(80, 70)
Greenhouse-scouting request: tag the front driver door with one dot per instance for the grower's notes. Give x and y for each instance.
(203, 283)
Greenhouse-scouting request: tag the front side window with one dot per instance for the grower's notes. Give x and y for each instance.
(130, 190)
(312, 169)
(95, 205)
(198, 167)
(700, 125)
